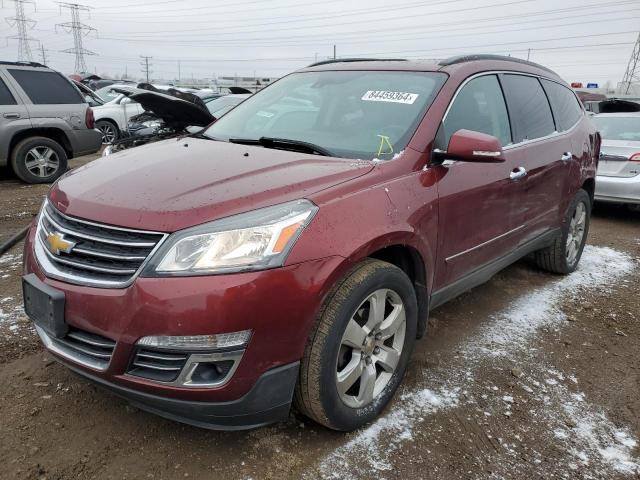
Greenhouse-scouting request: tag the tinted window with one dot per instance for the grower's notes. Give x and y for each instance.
(564, 103)
(479, 106)
(528, 106)
(46, 87)
(5, 95)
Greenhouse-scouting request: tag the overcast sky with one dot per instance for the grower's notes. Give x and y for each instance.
(583, 40)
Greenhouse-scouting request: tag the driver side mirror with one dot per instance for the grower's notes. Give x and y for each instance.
(471, 146)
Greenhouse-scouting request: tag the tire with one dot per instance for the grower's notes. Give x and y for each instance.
(317, 394)
(556, 258)
(109, 130)
(38, 160)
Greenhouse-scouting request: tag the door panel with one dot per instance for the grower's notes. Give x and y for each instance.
(476, 224)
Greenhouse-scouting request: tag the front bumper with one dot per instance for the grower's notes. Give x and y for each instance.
(618, 189)
(277, 305)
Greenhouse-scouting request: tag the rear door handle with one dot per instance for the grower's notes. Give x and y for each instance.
(566, 156)
(11, 115)
(518, 173)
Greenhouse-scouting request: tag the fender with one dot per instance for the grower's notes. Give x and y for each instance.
(9, 132)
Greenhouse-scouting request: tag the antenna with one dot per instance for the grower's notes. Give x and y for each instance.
(632, 75)
(79, 30)
(22, 22)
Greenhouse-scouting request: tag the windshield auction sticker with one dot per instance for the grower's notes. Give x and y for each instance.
(386, 96)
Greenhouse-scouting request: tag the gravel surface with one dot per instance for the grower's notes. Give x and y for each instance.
(528, 376)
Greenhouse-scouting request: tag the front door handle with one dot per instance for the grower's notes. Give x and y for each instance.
(566, 156)
(11, 115)
(518, 173)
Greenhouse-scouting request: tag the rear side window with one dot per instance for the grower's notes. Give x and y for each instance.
(528, 106)
(480, 107)
(46, 87)
(564, 104)
(5, 95)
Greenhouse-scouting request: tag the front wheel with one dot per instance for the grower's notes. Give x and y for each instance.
(359, 349)
(109, 130)
(564, 254)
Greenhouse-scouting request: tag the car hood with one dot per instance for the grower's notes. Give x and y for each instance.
(176, 112)
(174, 184)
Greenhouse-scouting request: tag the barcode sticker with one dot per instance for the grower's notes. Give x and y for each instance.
(387, 96)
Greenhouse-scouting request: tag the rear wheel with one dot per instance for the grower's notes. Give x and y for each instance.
(564, 254)
(360, 347)
(109, 130)
(38, 160)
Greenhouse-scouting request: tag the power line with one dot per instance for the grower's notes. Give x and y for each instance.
(79, 31)
(43, 54)
(145, 66)
(632, 74)
(22, 23)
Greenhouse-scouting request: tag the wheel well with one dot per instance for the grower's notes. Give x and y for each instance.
(589, 186)
(52, 133)
(410, 261)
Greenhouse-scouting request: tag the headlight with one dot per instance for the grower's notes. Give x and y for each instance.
(250, 241)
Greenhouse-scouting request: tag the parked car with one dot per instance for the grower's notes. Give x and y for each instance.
(618, 179)
(216, 279)
(44, 121)
(112, 117)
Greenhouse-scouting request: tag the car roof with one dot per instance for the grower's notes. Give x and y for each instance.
(465, 63)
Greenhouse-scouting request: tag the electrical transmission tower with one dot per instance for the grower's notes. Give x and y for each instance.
(632, 75)
(145, 66)
(79, 30)
(23, 23)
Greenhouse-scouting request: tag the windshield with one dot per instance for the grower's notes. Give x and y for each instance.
(219, 106)
(107, 93)
(353, 114)
(618, 128)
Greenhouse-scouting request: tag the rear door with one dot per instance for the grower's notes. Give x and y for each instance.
(475, 199)
(50, 96)
(544, 153)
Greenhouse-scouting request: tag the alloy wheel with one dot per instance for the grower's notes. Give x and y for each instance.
(42, 161)
(108, 132)
(576, 232)
(371, 348)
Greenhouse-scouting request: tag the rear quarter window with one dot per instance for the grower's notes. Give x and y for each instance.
(564, 103)
(46, 87)
(528, 107)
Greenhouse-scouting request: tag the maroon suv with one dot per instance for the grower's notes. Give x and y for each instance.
(291, 251)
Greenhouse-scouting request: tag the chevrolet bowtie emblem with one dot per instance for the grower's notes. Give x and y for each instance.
(57, 243)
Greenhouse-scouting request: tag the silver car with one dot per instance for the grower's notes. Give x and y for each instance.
(618, 178)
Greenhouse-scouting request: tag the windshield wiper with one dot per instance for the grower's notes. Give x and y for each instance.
(285, 144)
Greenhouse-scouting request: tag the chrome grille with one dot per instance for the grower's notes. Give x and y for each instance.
(101, 255)
(161, 366)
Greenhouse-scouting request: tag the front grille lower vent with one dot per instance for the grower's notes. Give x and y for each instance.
(86, 348)
(99, 255)
(161, 366)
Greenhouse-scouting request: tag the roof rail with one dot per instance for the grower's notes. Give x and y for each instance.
(348, 60)
(504, 58)
(23, 64)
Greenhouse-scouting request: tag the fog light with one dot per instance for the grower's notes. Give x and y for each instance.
(198, 342)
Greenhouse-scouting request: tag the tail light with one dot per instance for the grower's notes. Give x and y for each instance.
(89, 119)
(635, 157)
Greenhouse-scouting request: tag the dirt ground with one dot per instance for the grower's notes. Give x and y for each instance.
(531, 376)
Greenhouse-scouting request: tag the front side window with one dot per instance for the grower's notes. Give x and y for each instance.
(46, 87)
(351, 114)
(5, 95)
(479, 106)
(564, 103)
(529, 107)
